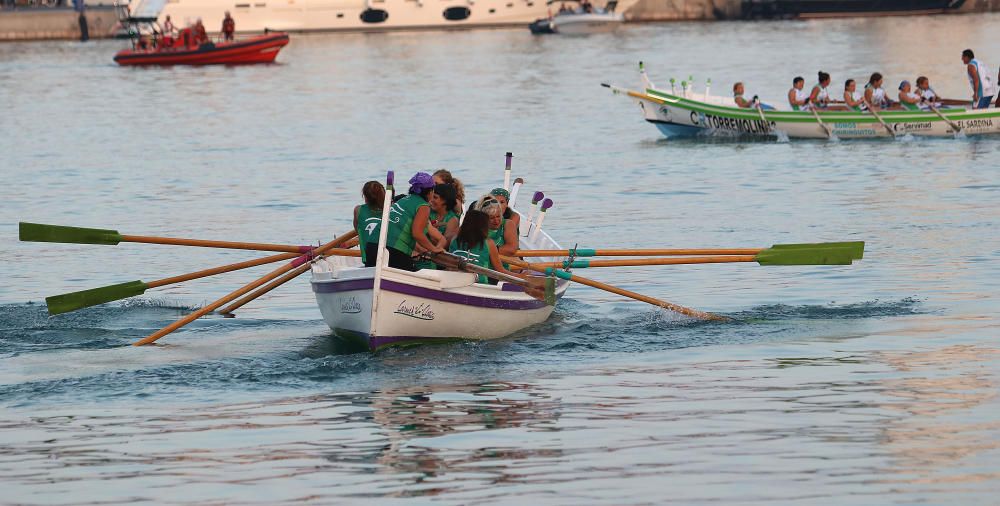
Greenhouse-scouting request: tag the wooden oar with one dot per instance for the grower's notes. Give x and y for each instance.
(67, 302)
(298, 262)
(540, 288)
(829, 131)
(620, 291)
(880, 120)
(856, 249)
(38, 232)
(951, 123)
(769, 257)
(228, 310)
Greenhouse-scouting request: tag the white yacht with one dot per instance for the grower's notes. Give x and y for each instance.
(351, 15)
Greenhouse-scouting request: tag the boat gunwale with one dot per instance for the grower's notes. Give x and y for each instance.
(905, 116)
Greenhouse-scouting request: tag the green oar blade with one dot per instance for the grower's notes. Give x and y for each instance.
(39, 232)
(67, 302)
(805, 256)
(856, 248)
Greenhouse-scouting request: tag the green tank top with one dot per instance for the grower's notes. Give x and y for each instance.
(442, 223)
(497, 235)
(480, 255)
(369, 222)
(401, 214)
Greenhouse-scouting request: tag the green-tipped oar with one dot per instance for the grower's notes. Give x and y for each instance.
(855, 248)
(39, 232)
(768, 257)
(67, 302)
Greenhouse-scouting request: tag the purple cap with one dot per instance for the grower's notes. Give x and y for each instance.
(547, 203)
(537, 197)
(389, 176)
(421, 181)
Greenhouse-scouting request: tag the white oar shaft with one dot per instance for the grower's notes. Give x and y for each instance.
(382, 257)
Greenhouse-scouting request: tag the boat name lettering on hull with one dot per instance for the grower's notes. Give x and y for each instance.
(975, 123)
(750, 126)
(421, 311)
(350, 305)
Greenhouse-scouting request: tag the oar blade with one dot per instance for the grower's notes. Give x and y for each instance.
(39, 232)
(855, 248)
(805, 256)
(67, 302)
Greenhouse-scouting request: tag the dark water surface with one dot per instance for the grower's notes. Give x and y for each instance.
(875, 383)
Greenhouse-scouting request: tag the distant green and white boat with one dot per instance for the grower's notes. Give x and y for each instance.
(684, 113)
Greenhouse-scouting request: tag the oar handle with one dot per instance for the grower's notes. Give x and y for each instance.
(228, 310)
(215, 244)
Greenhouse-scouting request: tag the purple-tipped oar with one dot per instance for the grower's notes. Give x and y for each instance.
(546, 204)
(514, 191)
(535, 199)
(506, 172)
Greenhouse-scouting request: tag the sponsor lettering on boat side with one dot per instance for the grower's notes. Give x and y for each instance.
(421, 311)
(750, 126)
(853, 130)
(912, 127)
(350, 305)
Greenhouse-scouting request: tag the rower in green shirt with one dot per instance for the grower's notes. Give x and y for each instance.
(409, 217)
(367, 221)
(473, 244)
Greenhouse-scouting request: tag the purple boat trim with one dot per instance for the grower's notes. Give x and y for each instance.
(456, 298)
(348, 285)
(429, 293)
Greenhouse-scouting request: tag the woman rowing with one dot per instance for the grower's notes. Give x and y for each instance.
(505, 233)
(442, 176)
(853, 98)
(908, 99)
(367, 221)
(874, 94)
(819, 97)
(474, 244)
(409, 218)
(443, 216)
(797, 97)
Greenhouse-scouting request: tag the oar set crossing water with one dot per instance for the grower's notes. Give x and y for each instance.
(537, 279)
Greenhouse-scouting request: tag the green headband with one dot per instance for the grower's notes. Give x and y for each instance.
(500, 191)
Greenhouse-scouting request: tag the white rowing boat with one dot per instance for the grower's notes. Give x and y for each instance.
(685, 113)
(427, 306)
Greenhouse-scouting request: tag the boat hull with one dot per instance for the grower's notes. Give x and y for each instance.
(262, 49)
(362, 16)
(584, 24)
(428, 306)
(676, 116)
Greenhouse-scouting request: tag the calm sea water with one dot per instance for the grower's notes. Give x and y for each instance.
(875, 383)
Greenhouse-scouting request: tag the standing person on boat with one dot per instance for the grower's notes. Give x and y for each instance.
(852, 97)
(368, 220)
(168, 27)
(819, 97)
(980, 78)
(908, 99)
(797, 97)
(409, 217)
(741, 102)
(874, 94)
(507, 238)
(445, 177)
(473, 244)
(200, 36)
(228, 27)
